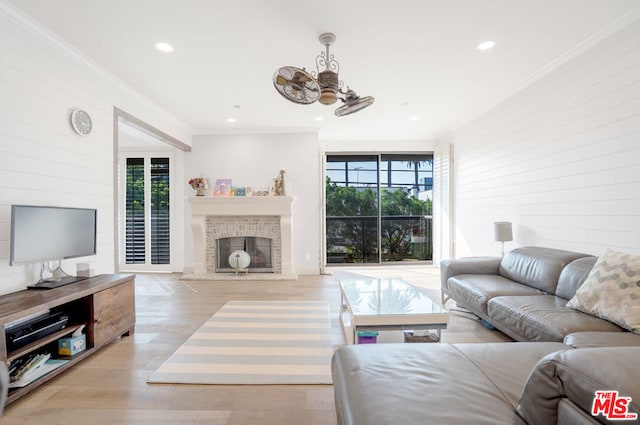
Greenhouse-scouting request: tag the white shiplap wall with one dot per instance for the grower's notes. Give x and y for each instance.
(42, 161)
(560, 159)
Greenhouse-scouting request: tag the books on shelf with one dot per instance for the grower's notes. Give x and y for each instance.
(29, 365)
(30, 369)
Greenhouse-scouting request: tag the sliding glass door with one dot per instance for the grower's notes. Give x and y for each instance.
(407, 192)
(352, 209)
(378, 208)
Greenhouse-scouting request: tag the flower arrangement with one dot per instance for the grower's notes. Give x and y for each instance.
(198, 183)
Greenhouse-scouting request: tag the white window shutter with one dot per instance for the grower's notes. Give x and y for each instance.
(442, 203)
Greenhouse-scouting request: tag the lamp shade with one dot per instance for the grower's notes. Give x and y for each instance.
(502, 231)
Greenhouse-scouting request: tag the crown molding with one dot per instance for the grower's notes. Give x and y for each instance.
(583, 46)
(36, 29)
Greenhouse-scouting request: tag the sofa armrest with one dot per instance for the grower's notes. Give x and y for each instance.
(575, 376)
(472, 265)
(602, 339)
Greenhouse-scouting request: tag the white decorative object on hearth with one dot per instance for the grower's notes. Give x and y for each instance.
(239, 260)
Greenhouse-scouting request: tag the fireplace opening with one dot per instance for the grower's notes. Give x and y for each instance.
(259, 249)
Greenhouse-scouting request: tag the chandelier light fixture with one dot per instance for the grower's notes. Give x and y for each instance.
(299, 86)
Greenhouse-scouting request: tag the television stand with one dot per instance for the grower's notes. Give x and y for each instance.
(56, 282)
(103, 306)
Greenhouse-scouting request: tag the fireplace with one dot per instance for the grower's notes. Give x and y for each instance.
(259, 250)
(242, 232)
(259, 225)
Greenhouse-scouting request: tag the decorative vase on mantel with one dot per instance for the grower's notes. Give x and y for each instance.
(199, 184)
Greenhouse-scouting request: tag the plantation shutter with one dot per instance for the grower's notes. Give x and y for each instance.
(442, 203)
(134, 210)
(160, 224)
(156, 202)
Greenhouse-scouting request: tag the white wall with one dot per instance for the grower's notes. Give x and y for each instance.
(41, 160)
(254, 160)
(388, 146)
(561, 159)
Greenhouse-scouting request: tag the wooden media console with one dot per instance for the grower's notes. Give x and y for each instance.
(104, 305)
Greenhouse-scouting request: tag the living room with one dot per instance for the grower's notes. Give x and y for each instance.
(555, 152)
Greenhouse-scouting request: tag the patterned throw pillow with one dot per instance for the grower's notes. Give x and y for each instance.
(612, 290)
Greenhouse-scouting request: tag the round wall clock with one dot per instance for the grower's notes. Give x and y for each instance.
(81, 122)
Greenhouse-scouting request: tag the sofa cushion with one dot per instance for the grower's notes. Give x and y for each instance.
(570, 413)
(537, 267)
(474, 291)
(612, 290)
(542, 318)
(433, 383)
(574, 275)
(576, 375)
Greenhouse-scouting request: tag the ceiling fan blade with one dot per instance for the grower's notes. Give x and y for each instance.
(353, 103)
(296, 85)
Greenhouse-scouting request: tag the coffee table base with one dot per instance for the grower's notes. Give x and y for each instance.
(435, 318)
(351, 332)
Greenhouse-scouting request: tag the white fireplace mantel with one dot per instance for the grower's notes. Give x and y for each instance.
(203, 207)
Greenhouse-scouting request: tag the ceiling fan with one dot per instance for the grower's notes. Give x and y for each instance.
(299, 86)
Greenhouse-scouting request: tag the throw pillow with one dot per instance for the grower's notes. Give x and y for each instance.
(612, 290)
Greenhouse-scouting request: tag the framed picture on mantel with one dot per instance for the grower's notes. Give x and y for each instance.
(222, 187)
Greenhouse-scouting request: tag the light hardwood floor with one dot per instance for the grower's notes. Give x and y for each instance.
(110, 387)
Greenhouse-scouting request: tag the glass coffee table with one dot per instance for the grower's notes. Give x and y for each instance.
(370, 304)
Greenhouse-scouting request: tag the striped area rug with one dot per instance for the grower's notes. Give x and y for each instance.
(256, 342)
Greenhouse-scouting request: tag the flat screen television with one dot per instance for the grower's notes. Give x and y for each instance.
(40, 234)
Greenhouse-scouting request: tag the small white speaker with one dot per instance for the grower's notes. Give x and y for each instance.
(84, 270)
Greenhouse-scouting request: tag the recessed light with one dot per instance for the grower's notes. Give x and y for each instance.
(164, 47)
(319, 118)
(486, 45)
(231, 120)
(414, 118)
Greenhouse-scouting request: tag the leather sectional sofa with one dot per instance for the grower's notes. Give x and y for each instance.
(534, 383)
(537, 380)
(525, 295)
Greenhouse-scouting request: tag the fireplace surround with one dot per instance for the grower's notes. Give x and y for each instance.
(262, 217)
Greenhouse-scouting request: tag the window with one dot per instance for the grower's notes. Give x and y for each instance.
(147, 213)
(135, 252)
(378, 208)
(352, 209)
(160, 218)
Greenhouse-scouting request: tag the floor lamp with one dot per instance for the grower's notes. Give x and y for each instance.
(502, 232)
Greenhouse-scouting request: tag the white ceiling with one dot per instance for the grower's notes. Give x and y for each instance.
(418, 58)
